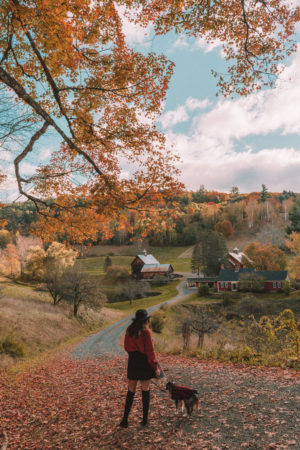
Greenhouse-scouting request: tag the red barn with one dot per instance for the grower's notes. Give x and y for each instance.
(147, 267)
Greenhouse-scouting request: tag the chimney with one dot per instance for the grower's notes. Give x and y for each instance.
(145, 252)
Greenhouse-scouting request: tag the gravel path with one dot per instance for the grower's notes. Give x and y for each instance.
(107, 340)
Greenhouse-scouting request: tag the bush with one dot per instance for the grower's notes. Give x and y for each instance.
(250, 305)
(286, 288)
(5, 238)
(117, 273)
(203, 290)
(227, 299)
(158, 322)
(11, 346)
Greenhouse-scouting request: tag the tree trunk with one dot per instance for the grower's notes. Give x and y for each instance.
(75, 309)
(200, 340)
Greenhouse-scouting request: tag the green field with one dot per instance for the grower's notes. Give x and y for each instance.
(167, 292)
(94, 264)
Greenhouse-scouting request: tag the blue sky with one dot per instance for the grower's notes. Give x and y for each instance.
(226, 142)
(242, 142)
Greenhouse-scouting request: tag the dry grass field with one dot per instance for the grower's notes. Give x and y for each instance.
(28, 319)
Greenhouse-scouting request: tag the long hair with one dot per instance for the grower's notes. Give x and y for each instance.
(134, 328)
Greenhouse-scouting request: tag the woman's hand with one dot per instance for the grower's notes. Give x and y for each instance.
(157, 372)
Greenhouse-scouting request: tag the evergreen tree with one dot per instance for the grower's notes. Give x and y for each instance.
(196, 261)
(210, 253)
(264, 195)
(107, 263)
(294, 217)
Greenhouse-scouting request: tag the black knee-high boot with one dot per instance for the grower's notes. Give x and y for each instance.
(146, 403)
(128, 404)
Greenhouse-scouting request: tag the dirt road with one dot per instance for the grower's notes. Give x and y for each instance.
(106, 341)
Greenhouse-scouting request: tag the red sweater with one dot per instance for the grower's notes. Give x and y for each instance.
(144, 344)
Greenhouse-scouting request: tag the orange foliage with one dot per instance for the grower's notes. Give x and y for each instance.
(68, 62)
(264, 257)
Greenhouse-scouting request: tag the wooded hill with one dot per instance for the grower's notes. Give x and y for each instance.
(268, 216)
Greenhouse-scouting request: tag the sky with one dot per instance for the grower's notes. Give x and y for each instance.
(244, 142)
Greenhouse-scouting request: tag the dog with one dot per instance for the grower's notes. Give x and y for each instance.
(183, 395)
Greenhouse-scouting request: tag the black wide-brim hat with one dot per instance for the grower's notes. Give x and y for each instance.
(141, 315)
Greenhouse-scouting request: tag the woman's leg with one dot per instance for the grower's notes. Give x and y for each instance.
(146, 400)
(129, 400)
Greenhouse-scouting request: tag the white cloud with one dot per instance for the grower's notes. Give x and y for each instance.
(171, 118)
(134, 33)
(215, 151)
(181, 42)
(179, 115)
(207, 47)
(193, 103)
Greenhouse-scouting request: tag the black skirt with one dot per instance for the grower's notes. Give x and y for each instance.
(139, 367)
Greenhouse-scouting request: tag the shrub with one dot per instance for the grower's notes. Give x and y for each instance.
(158, 322)
(203, 290)
(286, 288)
(250, 305)
(117, 273)
(5, 238)
(227, 299)
(11, 346)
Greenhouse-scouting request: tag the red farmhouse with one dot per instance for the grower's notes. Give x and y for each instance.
(228, 279)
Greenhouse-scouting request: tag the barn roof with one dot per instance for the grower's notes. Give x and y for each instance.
(269, 275)
(238, 255)
(148, 259)
(231, 274)
(155, 268)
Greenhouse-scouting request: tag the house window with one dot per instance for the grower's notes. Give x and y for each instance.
(233, 286)
(274, 285)
(279, 284)
(222, 284)
(226, 284)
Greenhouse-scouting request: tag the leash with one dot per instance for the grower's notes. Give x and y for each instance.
(162, 390)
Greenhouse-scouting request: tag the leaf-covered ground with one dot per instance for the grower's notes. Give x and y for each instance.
(72, 404)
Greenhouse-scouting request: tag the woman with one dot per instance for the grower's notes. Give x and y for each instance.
(142, 363)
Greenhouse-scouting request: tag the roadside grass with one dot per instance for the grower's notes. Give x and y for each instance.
(227, 343)
(167, 292)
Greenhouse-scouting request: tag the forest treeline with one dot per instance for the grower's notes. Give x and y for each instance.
(270, 216)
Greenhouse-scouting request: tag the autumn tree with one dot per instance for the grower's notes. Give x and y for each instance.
(264, 257)
(68, 65)
(9, 261)
(68, 69)
(225, 227)
(52, 262)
